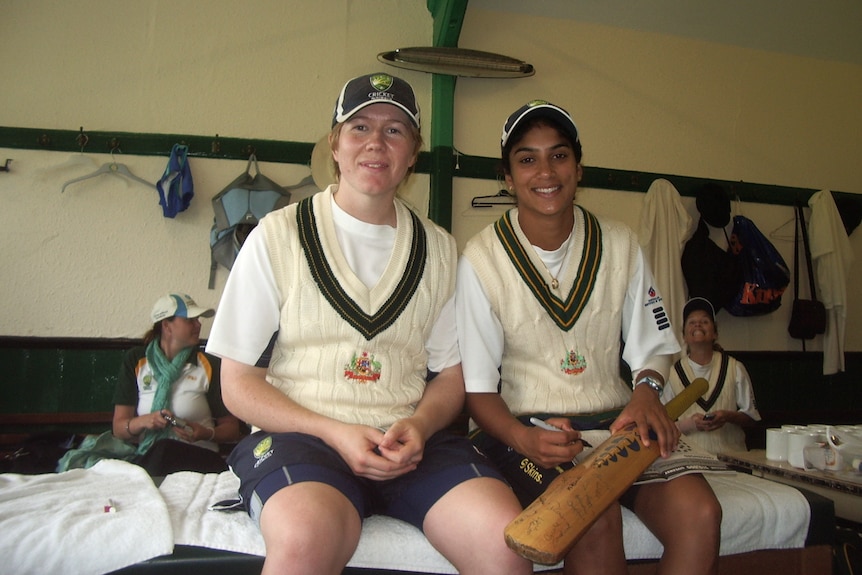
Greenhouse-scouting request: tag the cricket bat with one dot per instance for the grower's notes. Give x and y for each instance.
(550, 526)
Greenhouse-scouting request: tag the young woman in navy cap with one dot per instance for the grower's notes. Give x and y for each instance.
(548, 299)
(337, 333)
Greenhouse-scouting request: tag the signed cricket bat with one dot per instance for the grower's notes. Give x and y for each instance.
(546, 530)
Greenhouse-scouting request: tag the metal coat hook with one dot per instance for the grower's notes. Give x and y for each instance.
(5, 167)
(82, 139)
(215, 147)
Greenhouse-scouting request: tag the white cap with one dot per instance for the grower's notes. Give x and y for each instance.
(178, 305)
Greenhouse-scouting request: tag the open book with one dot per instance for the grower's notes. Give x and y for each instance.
(686, 459)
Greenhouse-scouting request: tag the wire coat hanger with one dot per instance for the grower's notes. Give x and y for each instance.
(112, 167)
(501, 198)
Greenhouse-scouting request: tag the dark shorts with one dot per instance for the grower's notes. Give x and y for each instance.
(529, 479)
(170, 456)
(268, 462)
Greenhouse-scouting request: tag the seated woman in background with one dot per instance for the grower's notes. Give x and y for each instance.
(713, 423)
(168, 395)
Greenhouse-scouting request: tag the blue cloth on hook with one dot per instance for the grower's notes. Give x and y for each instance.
(176, 188)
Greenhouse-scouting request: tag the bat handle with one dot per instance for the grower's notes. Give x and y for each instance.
(677, 406)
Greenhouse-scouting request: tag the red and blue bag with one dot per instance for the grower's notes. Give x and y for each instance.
(763, 273)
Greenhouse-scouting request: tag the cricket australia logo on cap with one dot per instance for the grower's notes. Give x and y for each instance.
(263, 450)
(381, 82)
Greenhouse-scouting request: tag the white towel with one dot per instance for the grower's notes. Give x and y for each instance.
(189, 495)
(758, 514)
(385, 543)
(57, 523)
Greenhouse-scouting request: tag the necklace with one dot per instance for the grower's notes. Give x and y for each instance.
(555, 283)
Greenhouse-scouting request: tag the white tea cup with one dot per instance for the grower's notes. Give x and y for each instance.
(776, 444)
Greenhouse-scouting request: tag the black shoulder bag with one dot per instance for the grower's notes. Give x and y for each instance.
(808, 318)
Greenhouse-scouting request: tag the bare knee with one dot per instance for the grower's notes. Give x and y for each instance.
(309, 528)
(701, 513)
(466, 525)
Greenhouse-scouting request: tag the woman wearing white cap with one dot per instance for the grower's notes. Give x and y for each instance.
(715, 421)
(548, 300)
(338, 343)
(168, 399)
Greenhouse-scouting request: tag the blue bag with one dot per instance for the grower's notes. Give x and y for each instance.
(763, 274)
(176, 188)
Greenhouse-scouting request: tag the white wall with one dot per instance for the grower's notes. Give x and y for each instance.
(661, 104)
(90, 262)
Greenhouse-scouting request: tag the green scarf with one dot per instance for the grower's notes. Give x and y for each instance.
(166, 372)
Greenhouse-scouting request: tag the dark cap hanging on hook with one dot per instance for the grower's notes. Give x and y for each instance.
(713, 203)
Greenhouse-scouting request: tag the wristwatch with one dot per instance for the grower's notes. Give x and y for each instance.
(652, 382)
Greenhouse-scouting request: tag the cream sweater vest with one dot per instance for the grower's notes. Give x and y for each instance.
(720, 395)
(343, 350)
(547, 368)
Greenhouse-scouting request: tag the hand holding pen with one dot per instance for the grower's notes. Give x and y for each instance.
(548, 427)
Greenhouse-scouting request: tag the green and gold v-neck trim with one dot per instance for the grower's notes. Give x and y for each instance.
(369, 325)
(564, 312)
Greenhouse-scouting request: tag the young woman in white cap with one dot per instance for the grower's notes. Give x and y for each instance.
(338, 343)
(168, 398)
(549, 298)
(715, 422)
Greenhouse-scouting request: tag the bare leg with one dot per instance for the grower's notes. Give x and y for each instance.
(685, 516)
(309, 528)
(466, 525)
(600, 549)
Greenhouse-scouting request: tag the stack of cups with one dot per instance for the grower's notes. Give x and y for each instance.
(810, 447)
(788, 442)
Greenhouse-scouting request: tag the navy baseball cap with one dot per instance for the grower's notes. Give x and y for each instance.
(377, 88)
(539, 108)
(697, 303)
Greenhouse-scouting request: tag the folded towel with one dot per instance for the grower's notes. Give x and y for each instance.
(82, 522)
